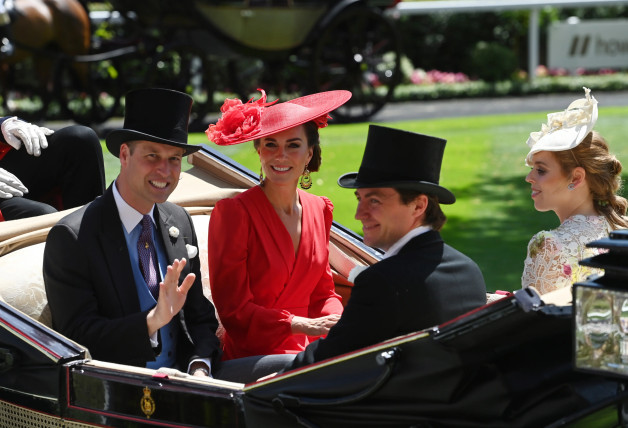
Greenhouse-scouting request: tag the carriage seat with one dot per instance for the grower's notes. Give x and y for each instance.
(22, 282)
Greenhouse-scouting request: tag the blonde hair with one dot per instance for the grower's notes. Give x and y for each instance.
(602, 175)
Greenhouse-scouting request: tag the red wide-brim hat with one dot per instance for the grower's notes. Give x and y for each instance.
(242, 122)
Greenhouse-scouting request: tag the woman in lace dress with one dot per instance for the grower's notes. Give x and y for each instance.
(574, 175)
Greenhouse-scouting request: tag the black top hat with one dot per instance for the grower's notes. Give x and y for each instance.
(154, 114)
(400, 159)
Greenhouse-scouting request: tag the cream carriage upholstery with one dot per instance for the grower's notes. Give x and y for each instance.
(21, 282)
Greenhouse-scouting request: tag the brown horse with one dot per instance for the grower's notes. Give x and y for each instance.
(40, 24)
(43, 29)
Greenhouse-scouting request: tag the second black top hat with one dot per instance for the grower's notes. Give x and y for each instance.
(400, 159)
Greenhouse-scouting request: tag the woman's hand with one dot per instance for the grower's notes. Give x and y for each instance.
(314, 326)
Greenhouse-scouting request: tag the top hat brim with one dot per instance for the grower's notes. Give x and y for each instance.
(119, 136)
(350, 181)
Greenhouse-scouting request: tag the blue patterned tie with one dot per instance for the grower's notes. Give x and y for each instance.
(147, 256)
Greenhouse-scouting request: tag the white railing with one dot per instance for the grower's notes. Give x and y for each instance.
(534, 6)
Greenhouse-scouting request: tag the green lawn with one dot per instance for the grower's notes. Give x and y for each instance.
(493, 218)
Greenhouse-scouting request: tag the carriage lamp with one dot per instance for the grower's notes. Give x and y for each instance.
(600, 307)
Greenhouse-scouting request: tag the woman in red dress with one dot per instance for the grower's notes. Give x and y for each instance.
(269, 247)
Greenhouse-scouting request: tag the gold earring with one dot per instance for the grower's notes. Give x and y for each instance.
(261, 176)
(306, 179)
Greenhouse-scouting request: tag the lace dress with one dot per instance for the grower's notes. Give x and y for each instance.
(553, 256)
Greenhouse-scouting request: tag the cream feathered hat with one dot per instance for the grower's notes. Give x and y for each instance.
(566, 129)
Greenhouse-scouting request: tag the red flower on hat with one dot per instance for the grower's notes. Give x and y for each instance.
(239, 121)
(321, 121)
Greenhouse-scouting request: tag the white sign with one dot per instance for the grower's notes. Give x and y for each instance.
(590, 45)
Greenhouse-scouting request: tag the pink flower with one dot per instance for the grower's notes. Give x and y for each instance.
(567, 269)
(240, 122)
(420, 77)
(542, 71)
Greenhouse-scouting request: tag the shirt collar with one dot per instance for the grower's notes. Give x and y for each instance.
(129, 216)
(394, 248)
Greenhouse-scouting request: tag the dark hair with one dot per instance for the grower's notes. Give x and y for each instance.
(434, 215)
(602, 175)
(313, 141)
(132, 145)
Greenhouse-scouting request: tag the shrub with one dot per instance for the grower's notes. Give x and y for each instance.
(492, 62)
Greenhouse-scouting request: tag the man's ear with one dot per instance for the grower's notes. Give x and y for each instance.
(420, 205)
(125, 151)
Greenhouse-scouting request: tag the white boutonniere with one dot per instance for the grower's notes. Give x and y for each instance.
(173, 232)
(355, 272)
(192, 251)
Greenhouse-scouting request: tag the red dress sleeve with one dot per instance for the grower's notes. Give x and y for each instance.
(324, 299)
(251, 329)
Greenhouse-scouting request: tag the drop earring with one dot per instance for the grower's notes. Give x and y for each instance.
(306, 179)
(261, 176)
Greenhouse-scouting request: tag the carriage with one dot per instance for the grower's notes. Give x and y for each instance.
(210, 48)
(508, 363)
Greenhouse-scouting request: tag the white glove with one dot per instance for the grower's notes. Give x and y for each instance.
(33, 137)
(10, 185)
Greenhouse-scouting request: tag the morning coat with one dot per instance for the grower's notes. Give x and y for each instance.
(427, 283)
(92, 293)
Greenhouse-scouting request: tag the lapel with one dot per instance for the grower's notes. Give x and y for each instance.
(174, 247)
(116, 254)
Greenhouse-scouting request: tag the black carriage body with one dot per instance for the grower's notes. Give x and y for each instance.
(269, 29)
(47, 380)
(502, 365)
(104, 396)
(499, 366)
(287, 47)
(209, 47)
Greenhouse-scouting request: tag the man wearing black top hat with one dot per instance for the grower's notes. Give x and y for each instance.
(119, 270)
(421, 281)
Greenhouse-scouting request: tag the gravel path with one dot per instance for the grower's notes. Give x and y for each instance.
(484, 106)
